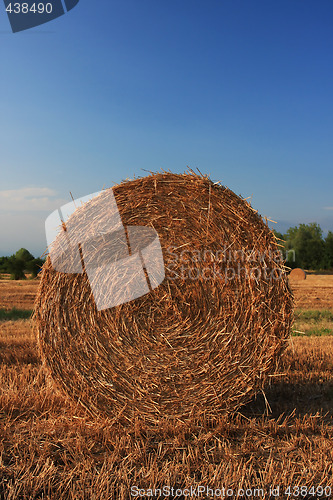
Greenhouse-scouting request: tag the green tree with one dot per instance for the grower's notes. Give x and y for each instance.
(4, 265)
(306, 240)
(34, 266)
(329, 250)
(24, 254)
(19, 263)
(16, 268)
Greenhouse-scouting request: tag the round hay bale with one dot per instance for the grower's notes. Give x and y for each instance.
(297, 274)
(203, 341)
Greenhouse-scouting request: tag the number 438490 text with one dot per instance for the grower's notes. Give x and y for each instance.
(35, 8)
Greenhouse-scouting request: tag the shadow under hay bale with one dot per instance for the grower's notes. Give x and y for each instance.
(203, 341)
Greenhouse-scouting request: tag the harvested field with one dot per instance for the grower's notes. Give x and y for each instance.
(316, 292)
(51, 449)
(19, 294)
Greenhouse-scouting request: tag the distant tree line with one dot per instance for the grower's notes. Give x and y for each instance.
(20, 263)
(304, 246)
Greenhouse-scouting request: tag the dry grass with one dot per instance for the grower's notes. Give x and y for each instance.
(51, 449)
(17, 343)
(20, 294)
(316, 292)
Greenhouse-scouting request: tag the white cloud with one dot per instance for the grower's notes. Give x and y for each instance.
(22, 230)
(328, 208)
(30, 199)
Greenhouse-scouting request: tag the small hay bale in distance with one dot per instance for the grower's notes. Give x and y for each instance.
(297, 274)
(204, 341)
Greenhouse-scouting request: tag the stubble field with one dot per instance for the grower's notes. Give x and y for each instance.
(52, 449)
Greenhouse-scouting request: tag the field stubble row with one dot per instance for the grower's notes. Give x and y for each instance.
(51, 448)
(316, 292)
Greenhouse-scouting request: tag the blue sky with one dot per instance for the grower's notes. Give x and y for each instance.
(241, 90)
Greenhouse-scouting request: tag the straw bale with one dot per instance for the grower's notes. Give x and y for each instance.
(297, 274)
(201, 343)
